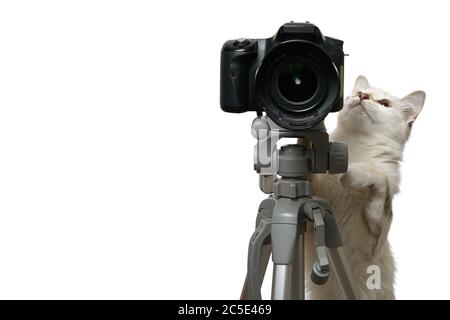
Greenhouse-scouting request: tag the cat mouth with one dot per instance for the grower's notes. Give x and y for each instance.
(362, 109)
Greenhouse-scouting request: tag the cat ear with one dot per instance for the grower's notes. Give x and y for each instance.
(412, 104)
(360, 84)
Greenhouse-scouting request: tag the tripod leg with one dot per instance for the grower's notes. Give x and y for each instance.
(265, 256)
(281, 281)
(298, 270)
(259, 251)
(336, 253)
(284, 242)
(343, 272)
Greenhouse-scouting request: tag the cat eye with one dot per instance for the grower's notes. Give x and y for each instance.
(384, 102)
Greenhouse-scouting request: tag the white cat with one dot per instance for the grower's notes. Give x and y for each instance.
(376, 126)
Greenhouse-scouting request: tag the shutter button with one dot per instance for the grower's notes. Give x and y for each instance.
(241, 42)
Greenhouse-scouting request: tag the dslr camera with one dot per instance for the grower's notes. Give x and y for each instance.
(296, 77)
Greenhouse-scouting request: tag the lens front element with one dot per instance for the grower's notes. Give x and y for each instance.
(297, 82)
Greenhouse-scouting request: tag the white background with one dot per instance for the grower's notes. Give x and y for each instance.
(120, 177)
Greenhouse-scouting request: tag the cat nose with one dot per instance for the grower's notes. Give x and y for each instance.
(363, 96)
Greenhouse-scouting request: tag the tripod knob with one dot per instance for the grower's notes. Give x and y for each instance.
(338, 157)
(317, 276)
(260, 128)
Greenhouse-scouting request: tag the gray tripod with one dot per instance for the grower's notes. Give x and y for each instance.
(282, 218)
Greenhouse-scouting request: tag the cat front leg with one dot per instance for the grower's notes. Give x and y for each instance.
(372, 185)
(361, 175)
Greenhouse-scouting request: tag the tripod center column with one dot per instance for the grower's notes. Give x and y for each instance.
(294, 164)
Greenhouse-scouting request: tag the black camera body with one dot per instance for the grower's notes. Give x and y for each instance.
(296, 77)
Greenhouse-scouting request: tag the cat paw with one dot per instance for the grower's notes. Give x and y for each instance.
(347, 181)
(362, 175)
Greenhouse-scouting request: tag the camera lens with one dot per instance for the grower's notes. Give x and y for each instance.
(297, 82)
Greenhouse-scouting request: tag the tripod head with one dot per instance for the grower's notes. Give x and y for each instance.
(317, 155)
(292, 203)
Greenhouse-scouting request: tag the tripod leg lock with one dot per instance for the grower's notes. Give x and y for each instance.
(316, 213)
(317, 276)
(319, 211)
(332, 236)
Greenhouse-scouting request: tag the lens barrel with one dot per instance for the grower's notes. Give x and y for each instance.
(297, 84)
